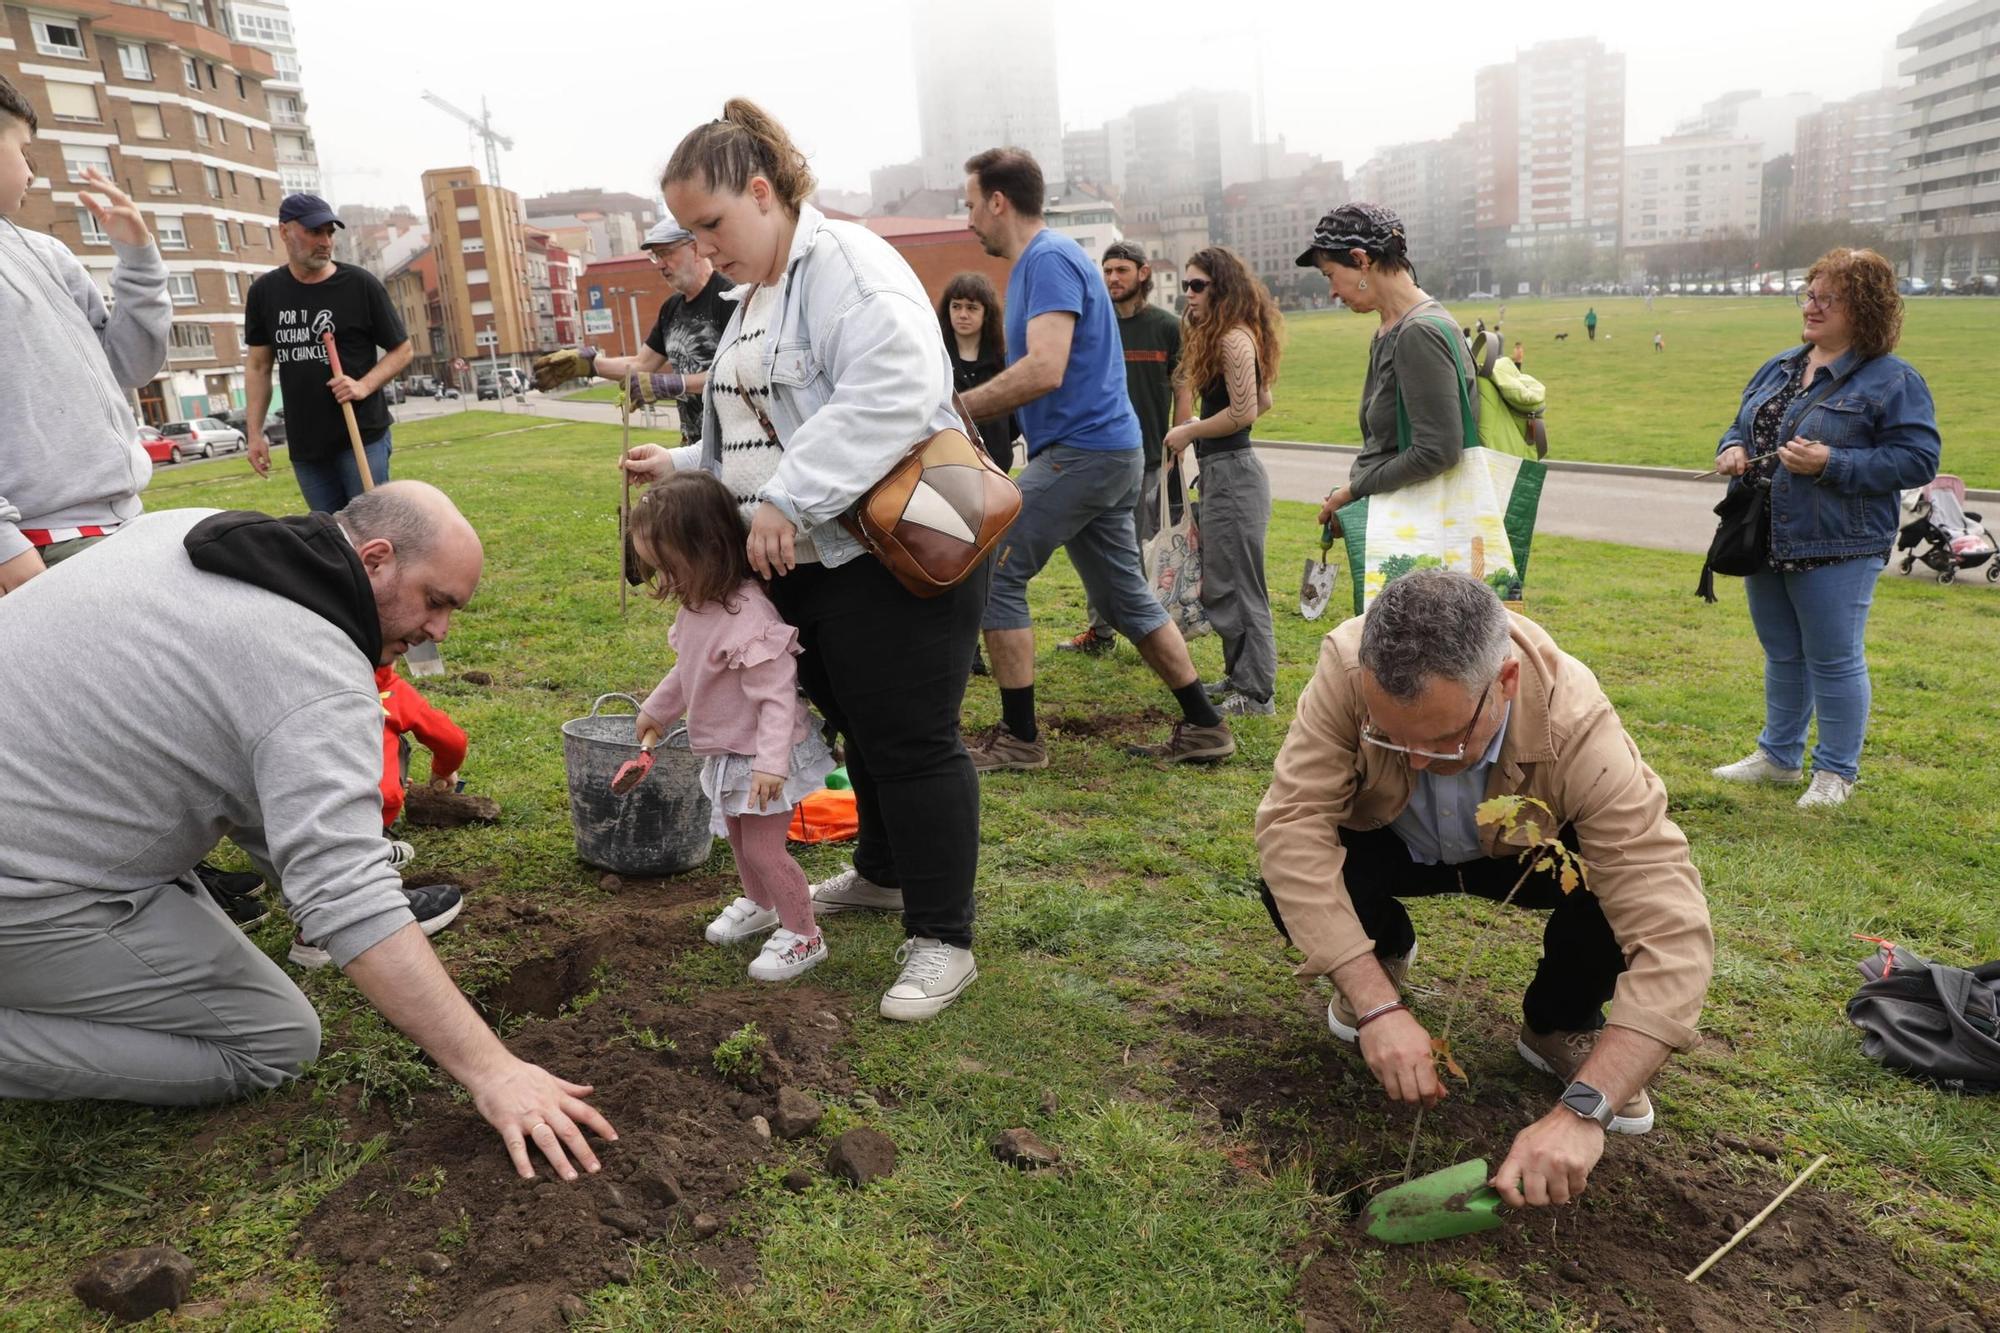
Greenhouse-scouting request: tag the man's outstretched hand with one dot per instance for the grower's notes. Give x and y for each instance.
(529, 1105)
(1550, 1160)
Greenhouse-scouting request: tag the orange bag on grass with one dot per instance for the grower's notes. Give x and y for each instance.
(825, 816)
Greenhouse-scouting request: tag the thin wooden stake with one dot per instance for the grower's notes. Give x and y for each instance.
(1758, 1220)
(625, 499)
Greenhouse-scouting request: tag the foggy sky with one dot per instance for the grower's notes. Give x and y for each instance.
(603, 105)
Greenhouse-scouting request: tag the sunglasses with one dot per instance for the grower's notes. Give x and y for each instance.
(1195, 285)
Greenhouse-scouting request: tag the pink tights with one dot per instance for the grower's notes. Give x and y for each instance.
(771, 878)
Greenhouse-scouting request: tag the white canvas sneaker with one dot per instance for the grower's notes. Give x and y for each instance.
(741, 920)
(1827, 789)
(851, 891)
(934, 974)
(1757, 767)
(786, 955)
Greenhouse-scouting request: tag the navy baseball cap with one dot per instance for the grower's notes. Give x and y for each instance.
(309, 211)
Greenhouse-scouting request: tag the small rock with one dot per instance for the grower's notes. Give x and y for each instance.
(573, 1309)
(660, 1186)
(861, 1155)
(1571, 1273)
(797, 1114)
(1765, 1148)
(610, 883)
(761, 1128)
(432, 1264)
(1732, 1224)
(536, 1241)
(798, 1180)
(1050, 1102)
(706, 1225)
(1021, 1148)
(825, 1018)
(623, 1219)
(476, 677)
(133, 1284)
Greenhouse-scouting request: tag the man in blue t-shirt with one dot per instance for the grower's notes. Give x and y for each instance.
(1065, 383)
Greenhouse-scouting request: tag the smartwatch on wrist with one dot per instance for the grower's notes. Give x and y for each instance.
(1586, 1101)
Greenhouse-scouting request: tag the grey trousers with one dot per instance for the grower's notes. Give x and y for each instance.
(1235, 516)
(152, 997)
(1146, 522)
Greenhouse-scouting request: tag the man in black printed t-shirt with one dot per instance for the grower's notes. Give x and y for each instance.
(674, 362)
(285, 316)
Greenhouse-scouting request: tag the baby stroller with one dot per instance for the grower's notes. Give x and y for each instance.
(1944, 536)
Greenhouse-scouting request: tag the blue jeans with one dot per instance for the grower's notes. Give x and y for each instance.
(329, 483)
(1811, 625)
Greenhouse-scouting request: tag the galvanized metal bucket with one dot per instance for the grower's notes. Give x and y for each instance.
(661, 826)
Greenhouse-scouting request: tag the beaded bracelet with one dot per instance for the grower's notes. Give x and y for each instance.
(1375, 1013)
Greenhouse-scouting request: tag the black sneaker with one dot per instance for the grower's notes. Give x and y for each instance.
(235, 892)
(435, 906)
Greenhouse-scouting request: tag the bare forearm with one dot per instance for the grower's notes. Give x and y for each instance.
(1624, 1062)
(386, 369)
(403, 978)
(258, 382)
(1364, 982)
(1019, 384)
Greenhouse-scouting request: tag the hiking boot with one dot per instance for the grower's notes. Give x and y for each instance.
(400, 854)
(1340, 1015)
(1190, 744)
(1757, 767)
(1827, 789)
(235, 892)
(1238, 704)
(741, 920)
(852, 891)
(786, 955)
(998, 748)
(1217, 689)
(435, 906)
(934, 974)
(1090, 643)
(1563, 1053)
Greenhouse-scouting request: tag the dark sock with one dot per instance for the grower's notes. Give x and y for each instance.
(1017, 710)
(1195, 706)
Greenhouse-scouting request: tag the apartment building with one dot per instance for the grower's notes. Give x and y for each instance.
(267, 25)
(985, 85)
(479, 241)
(1431, 186)
(1692, 187)
(165, 102)
(1946, 180)
(1844, 160)
(413, 291)
(1268, 222)
(1549, 146)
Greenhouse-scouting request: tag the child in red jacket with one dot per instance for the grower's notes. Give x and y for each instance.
(404, 710)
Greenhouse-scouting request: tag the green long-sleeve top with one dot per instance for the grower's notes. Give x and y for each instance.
(1413, 356)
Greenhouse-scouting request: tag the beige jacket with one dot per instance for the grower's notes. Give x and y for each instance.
(1565, 747)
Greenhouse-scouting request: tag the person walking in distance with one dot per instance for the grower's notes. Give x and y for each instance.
(1151, 337)
(1590, 323)
(1064, 381)
(285, 317)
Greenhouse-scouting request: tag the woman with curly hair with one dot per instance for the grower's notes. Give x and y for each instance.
(1831, 432)
(1230, 345)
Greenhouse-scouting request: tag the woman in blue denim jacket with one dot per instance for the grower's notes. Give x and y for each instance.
(829, 371)
(1832, 432)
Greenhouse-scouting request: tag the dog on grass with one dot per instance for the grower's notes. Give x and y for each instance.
(1562, 337)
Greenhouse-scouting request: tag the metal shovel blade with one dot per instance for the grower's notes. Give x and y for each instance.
(425, 660)
(1316, 588)
(1453, 1202)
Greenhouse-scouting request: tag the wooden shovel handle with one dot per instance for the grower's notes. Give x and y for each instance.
(347, 414)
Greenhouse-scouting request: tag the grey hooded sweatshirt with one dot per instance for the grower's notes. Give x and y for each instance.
(203, 675)
(69, 446)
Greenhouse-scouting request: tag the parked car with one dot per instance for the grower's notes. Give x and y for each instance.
(1479, 296)
(489, 387)
(392, 392)
(157, 446)
(423, 386)
(204, 436)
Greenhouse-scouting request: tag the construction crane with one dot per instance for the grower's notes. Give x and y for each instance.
(482, 125)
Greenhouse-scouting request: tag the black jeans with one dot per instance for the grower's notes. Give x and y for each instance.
(888, 669)
(1581, 960)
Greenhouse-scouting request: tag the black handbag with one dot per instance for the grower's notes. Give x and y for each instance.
(1741, 544)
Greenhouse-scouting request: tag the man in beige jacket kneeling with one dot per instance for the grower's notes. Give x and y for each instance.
(1435, 701)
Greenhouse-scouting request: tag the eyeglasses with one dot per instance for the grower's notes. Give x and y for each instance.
(1195, 285)
(1824, 300)
(1377, 739)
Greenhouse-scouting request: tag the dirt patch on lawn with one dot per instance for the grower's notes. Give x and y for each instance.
(1656, 1207)
(440, 1233)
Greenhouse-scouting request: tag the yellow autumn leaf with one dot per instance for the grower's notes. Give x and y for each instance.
(1441, 1050)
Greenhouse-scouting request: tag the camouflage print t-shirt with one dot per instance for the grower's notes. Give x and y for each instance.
(686, 334)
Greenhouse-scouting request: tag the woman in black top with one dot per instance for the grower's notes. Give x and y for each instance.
(1229, 353)
(969, 318)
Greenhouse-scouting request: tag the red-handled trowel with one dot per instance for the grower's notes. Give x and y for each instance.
(1456, 1201)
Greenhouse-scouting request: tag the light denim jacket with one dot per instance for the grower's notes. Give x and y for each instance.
(859, 374)
(1876, 418)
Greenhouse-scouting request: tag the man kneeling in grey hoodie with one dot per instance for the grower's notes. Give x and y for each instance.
(71, 468)
(208, 674)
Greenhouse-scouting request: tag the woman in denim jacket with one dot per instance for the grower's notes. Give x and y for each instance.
(830, 370)
(1833, 432)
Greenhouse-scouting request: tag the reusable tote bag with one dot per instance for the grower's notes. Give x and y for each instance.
(1172, 558)
(1478, 516)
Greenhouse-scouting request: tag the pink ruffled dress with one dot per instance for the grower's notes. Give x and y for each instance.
(735, 679)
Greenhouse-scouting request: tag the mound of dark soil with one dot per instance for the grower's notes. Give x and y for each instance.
(1656, 1206)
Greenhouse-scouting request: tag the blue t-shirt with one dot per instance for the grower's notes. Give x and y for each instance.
(1091, 410)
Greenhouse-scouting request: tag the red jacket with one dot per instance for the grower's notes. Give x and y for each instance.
(403, 709)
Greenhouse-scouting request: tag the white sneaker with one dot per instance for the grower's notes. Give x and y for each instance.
(1757, 767)
(741, 920)
(934, 974)
(851, 891)
(400, 854)
(1827, 789)
(786, 955)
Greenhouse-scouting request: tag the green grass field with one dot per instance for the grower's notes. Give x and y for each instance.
(1123, 952)
(1617, 401)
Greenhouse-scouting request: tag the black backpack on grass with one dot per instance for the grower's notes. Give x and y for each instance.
(1930, 1020)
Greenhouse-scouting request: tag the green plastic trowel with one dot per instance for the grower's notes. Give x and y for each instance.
(1453, 1202)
